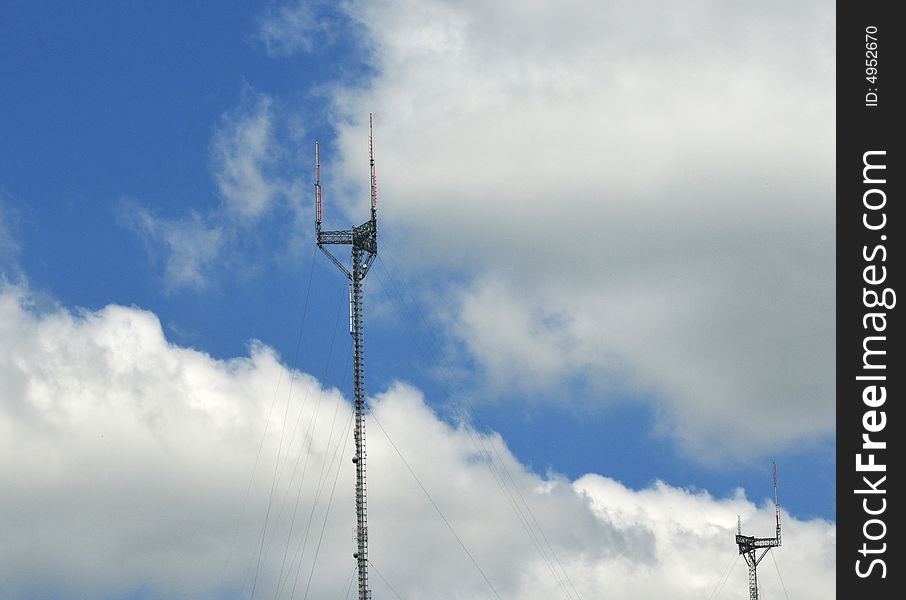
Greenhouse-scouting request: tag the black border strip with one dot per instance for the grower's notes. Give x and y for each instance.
(869, 271)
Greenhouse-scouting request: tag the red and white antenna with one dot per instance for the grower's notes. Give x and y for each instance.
(318, 182)
(371, 157)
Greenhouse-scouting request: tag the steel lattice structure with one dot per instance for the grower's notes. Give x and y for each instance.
(750, 545)
(363, 240)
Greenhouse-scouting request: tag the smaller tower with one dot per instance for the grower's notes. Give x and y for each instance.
(750, 545)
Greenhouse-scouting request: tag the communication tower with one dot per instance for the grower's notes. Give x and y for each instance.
(363, 239)
(749, 545)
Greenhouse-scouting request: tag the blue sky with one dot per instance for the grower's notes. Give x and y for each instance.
(653, 309)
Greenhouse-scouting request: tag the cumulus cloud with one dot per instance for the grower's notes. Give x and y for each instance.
(126, 461)
(245, 159)
(243, 154)
(638, 193)
(187, 247)
(9, 244)
(287, 29)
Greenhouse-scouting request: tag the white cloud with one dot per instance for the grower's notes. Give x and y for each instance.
(243, 155)
(288, 29)
(9, 244)
(245, 159)
(126, 459)
(638, 193)
(187, 247)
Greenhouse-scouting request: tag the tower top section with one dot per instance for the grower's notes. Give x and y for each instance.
(362, 238)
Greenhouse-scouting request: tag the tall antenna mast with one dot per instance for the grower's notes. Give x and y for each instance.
(749, 545)
(363, 240)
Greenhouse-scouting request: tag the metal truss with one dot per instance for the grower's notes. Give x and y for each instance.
(363, 240)
(750, 545)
